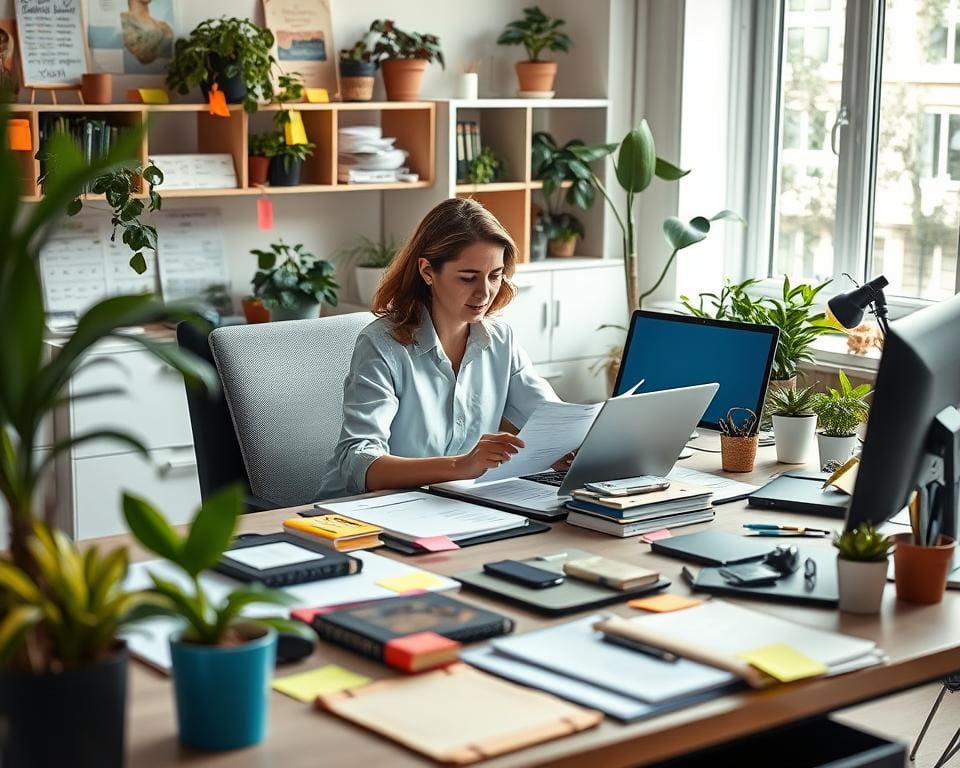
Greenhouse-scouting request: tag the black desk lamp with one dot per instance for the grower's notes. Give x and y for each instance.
(849, 307)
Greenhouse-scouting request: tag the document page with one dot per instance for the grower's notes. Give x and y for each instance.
(552, 431)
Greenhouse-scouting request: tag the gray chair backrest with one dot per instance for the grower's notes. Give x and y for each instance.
(284, 384)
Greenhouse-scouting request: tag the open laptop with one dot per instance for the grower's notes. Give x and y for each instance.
(638, 434)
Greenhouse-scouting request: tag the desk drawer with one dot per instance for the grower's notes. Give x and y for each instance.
(168, 480)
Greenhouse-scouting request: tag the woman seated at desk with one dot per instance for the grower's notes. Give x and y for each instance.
(432, 377)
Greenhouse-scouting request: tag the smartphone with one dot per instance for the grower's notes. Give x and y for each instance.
(521, 573)
(629, 485)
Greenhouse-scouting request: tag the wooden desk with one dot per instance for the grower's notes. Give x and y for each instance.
(923, 643)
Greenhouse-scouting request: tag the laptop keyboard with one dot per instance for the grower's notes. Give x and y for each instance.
(547, 478)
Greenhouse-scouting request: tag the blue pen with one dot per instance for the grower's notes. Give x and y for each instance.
(791, 528)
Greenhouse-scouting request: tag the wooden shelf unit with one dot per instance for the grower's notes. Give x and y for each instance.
(171, 127)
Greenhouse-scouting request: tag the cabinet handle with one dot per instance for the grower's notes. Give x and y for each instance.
(522, 286)
(556, 312)
(544, 319)
(176, 464)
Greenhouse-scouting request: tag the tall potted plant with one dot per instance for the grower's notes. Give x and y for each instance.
(294, 288)
(403, 57)
(862, 559)
(794, 422)
(839, 413)
(537, 33)
(62, 671)
(371, 259)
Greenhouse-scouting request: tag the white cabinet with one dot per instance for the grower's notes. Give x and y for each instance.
(529, 314)
(583, 300)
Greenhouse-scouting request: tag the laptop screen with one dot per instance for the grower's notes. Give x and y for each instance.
(670, 351)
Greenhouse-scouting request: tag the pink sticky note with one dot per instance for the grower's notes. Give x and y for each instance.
(436, 543)
(663, 533)
(264, 214)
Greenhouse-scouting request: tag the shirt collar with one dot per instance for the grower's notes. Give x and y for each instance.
(427, 339)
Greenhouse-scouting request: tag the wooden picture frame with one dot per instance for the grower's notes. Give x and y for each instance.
(304, 32)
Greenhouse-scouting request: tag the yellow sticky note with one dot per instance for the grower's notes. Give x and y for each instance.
(411, 582)
(294, 132)
(306, 686)
(783, 662)
(154, 96)
(317, 95)
(664, 603)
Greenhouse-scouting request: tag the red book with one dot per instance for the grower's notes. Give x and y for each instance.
(420, 651)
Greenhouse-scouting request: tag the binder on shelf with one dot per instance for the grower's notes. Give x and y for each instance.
(461, 151)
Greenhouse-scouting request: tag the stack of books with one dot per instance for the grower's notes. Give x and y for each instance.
(93, 137)
(680, 504)
(368, 157)
(468, 147)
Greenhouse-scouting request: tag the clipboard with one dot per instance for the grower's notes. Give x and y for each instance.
(406, 548)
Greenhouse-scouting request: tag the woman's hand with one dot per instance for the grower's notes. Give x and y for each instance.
(490, 451)
(563, 464)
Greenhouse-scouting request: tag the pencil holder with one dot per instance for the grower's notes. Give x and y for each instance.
(738, 454)
(921, 572)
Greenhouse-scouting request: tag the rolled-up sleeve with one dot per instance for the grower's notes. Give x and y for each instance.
(527, 389)
(370, 402)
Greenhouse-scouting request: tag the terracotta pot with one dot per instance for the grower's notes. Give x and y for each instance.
(536, 75)
(96, 88)
(738, 454)
(402, 78)
(254, 311)
(258, 167)
(921, 572)
(563, 248)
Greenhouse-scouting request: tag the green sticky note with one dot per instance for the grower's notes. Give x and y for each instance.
(306, 686)
(783, 662)
(411, 582)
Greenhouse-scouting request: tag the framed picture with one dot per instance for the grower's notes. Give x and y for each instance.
(9, 60)
(304, 33)
(53, 51)
(131, 38)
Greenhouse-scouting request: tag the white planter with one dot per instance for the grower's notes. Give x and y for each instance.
(837, 449)
(794, 437)
(368, 279)
(861, 585)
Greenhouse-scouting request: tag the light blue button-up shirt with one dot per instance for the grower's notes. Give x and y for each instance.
(405, 400)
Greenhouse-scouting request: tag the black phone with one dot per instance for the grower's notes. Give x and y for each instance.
(521, 573)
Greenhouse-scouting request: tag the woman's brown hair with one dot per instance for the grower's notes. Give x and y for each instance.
(444, 232)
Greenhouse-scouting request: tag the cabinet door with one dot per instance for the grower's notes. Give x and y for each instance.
(577, 381)
(583, 300)
(529, 314)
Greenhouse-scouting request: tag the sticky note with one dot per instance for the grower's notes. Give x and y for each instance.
(306, 686)
(218, 102)
(436, 543)
(18, 135)
(663, 533)
(664, 603)
(783, 662)
(317, 95)
(153, 96)
(293, 130)
(264, 214)
(411, 582)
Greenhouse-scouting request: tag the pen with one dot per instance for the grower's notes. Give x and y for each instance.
(808, 534)
(793, 528)
(646, 650)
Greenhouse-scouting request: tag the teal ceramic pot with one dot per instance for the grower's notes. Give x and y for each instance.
(222, 694)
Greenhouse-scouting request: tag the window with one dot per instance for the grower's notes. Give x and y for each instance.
(864, 159)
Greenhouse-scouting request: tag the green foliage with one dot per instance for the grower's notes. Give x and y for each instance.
(485, 168)
(863, 544)
(791, 401)
(241, 46)
(840, 412)
(289, 152)
(570, 164)
(393, 43)
(289, 88)
(201, 549)
(536, 32)
(357, 52)
(300, 277)
(265, 144)
(563, 226)
(747, 427)
(368, 253)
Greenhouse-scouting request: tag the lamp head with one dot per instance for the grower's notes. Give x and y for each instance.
(849, 307)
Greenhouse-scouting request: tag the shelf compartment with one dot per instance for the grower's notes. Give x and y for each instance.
(512, 209)
(506, 131)
(413, 126)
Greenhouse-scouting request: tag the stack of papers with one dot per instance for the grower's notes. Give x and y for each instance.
(366, 156)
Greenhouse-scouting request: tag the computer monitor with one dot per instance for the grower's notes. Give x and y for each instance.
(913, 428)
(670, 351)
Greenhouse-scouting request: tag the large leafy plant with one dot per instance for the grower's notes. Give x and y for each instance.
(536, 32)
(393, 43)
(203, 546)
(841, 411)
(58, 608)
(235, 46)
(298, 278)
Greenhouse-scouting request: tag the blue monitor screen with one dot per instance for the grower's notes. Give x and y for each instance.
(669, 351)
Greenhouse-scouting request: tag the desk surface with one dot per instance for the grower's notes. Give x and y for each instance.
(923, 643)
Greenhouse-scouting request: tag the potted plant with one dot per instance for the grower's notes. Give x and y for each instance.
(563, 231)
(862, 556)
(260, 148)
(738, 441)
(537, 33)
(357, 70)
(222, 660)
(794, 422)
(232, 53)
(404, 56)
(372, 259)
(294, 288)
(286, 161)
(839, 413)
(60, 608)
(253, 309)
(485, 168)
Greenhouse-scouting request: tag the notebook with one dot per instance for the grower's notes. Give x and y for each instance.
(712, 548)
(801, 492)
(459, 715)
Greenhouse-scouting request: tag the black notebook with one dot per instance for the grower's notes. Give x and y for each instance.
(713, 548)
(801, 492)
(366, 628)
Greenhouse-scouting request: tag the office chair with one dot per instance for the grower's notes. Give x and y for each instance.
(283, 383)
(951, 684)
